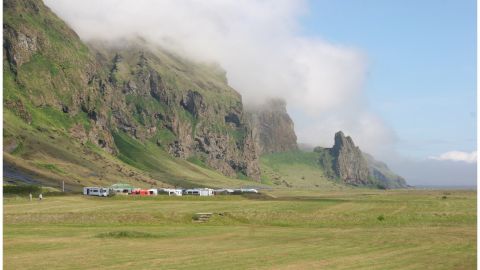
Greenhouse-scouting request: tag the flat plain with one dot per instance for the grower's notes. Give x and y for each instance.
(285, 229)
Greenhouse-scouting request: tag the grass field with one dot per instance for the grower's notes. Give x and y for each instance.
(350, 229)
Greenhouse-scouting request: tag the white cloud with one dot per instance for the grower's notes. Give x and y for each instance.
(367, 129)
(260, 46)
(457, 156)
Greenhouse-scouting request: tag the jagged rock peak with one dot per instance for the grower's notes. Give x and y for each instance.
(341, 140)
(348, 161)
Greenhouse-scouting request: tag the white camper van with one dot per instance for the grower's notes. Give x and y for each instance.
(153, 191)
(171, 191)
(98, 191)
(199, 192)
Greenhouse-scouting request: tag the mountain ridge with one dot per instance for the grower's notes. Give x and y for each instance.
(93, 113)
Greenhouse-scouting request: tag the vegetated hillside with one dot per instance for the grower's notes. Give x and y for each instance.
(383, 174)
(97, 113)
(93, 114)
(185, 108)
(298, 169)
(332, 168)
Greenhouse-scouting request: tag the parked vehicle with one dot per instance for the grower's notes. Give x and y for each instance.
(199, 192)
(171, 191)
(141, 192)
(153, 192)
(98, 191)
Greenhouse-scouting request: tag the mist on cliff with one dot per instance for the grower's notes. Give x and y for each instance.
(262, 49)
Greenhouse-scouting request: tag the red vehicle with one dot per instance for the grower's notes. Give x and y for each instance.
(141, 192)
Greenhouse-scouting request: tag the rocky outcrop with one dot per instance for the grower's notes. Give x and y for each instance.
(17, 107)
(348, 161)
(19, 45)
(188, 122)
(272, 127)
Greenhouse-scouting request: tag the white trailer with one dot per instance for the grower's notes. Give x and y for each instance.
(200, 192)
(153, 191)
(98, 191)
(171, 191)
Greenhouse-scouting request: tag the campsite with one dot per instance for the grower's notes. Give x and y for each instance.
(284, 229)
(125, 189)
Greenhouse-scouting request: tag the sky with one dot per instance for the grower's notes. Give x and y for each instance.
(422, 65)
(398, 76)
(421, 76)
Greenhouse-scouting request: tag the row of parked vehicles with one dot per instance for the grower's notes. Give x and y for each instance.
(114, 190)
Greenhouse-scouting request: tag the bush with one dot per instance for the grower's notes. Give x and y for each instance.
(381, 218)
(21, 189)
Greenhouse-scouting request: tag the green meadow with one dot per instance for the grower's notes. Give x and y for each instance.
(349, 229)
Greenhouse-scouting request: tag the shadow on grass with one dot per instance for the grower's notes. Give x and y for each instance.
(126, 234)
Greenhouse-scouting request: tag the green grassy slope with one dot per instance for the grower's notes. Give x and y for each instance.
(53, 67)
(300, 169)
(297, 169)
(334, 230)
(50, 156)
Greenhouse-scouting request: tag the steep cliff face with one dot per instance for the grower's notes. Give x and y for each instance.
(348, 161)
(185, 108)
(272, 127)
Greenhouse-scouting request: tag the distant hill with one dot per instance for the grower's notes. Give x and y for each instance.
(380, 172)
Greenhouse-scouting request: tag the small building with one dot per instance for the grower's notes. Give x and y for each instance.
(98, 191)
(199, 192)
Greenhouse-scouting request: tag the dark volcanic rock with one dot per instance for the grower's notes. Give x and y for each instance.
(272, 127)
(348, 161)
(193, 103)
